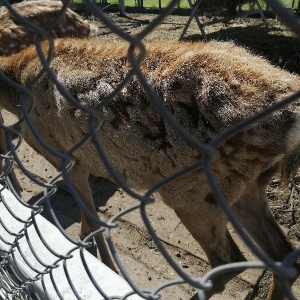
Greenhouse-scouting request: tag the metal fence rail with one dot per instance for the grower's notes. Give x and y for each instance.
(17, 285)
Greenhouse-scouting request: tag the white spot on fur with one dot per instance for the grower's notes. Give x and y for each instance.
(90, 98)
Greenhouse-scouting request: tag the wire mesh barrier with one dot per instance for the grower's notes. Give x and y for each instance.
(100, 114)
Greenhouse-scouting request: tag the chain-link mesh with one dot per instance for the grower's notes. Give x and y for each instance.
(15, 283)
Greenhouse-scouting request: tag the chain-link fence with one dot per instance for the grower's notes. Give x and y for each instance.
(129, 110)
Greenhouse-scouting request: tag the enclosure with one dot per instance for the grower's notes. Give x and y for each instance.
(148, 260)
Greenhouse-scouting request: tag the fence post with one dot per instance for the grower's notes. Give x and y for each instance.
(122, 7)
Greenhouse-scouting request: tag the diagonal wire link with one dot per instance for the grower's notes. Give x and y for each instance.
(16, 279)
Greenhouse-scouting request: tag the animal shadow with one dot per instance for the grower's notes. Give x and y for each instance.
(64, 206)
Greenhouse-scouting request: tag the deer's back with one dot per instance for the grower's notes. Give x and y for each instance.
(208, 87)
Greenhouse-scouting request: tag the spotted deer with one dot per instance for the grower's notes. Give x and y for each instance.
(208, 87)
(15, 36)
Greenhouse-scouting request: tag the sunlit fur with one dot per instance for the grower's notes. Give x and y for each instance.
(208, 87)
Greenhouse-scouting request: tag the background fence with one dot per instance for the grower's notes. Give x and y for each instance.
(180, 4)
(26, 230)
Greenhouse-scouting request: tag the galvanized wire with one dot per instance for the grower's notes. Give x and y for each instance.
(13, 280)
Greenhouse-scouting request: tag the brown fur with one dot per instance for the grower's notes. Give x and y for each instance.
(12, 31)
(208, 87)
(14, 36)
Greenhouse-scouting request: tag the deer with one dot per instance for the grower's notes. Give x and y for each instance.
(208, 87)
(15, 36)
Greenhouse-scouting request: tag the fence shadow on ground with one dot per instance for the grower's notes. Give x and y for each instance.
(279, 49)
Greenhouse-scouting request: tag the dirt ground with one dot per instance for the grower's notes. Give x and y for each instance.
(137, 251)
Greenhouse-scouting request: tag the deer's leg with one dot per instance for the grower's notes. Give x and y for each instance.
(207, 223)
(255, 216)
(79, 177)
(3, 150)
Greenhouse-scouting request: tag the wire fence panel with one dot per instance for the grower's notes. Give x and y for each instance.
(206, 125)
